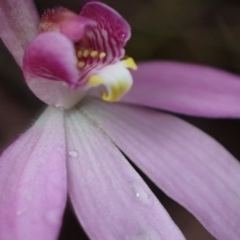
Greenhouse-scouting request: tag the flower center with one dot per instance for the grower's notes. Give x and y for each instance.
(81, 52)
(85, 55)
(116, 78)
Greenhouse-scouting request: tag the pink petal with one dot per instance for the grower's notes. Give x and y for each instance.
(186, 88)
(109, 197)
(187, 164)
(51, 56)
(49, 66)
(65, 21)
(33, 181)
(75, 29)
(110, 33)
(18, 26)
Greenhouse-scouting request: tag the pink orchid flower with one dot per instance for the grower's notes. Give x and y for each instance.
(73, 148)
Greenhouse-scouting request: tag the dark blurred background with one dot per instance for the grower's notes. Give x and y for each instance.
(197, 31)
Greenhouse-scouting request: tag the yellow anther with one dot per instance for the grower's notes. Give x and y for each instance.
(102, 55)
(95, 80)
(81, 64)
(94, 53)
(80, 54)
(86, 53)
(130, 63)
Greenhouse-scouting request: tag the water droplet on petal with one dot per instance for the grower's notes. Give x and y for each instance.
(21, 211)
(140, 193)
(60, 107)
(147, 233)
(52, 217)
(123, 35)
(73, 153)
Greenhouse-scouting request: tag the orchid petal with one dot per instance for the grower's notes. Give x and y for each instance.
(186, 88)
(49, 66)
(75, 28)
(51, 56)
(19, 20)
(33, 181)
(109, 197)
(105, 37)
(64, 21)
(184, 162)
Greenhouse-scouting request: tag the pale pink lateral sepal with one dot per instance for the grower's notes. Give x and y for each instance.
(18, 25)
(188, 165)
(110, 199)
(33, 181)
(50, 68)
(186, 88)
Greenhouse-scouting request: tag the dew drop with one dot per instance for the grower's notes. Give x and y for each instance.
(64, 84)
(60, 107)
(21, 212)
(52, 217)
(73, 153)
(140, 193)
(146, 233)
(123, 35)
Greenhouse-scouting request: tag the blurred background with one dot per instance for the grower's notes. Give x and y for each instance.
(198, 31)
